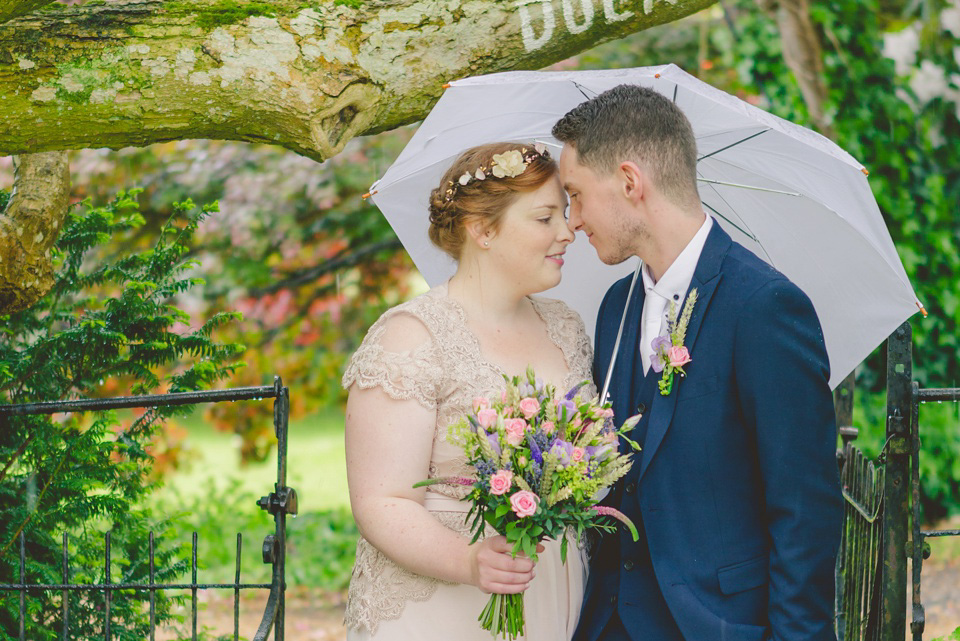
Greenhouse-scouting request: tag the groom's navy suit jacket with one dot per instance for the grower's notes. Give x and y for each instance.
(737, 485)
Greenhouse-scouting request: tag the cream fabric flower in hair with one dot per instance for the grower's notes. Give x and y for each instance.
(509, 163)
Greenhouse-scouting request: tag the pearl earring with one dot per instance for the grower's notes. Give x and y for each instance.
(486, 243)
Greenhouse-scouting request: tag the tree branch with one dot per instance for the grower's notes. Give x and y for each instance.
(10, 9)
(308, 79)
(343, 260)
(29, 227)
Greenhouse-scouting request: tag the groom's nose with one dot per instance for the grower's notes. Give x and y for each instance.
(574, 222)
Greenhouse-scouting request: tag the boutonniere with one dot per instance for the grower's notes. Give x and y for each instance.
(669, 352)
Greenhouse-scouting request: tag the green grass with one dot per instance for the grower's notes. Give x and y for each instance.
(315, 463)
(215, 495)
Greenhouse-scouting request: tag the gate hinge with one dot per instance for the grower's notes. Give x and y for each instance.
(908, 549)
(283, 501)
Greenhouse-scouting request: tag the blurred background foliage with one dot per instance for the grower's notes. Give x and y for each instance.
(310, 265)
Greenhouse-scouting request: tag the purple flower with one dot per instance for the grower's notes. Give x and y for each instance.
(534, 448)
(563, 451)
(494, 443)
(659, 345)
(573, 391)
(598, 452)
(566, 409)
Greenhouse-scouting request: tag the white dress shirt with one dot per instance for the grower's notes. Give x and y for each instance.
(672, 286)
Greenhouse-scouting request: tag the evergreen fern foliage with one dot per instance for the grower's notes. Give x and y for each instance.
(107, 317)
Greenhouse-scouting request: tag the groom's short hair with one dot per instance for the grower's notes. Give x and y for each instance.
(638, 124)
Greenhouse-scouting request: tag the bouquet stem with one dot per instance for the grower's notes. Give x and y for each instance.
(503, 616)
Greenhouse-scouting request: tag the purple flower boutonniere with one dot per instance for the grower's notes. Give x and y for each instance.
(669, 352)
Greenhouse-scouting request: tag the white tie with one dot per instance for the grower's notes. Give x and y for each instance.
(653, 306)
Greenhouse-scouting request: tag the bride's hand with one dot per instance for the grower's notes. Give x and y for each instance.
(494, 570)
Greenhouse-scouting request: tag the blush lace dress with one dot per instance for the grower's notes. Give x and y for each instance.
(388, 603)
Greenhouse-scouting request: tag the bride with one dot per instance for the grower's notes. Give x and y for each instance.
(499, 211)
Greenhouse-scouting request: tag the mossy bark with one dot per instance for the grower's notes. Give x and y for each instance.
(308, 77)
(10, 9)
(29, 226)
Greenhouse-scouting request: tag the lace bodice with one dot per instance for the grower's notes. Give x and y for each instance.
(446, 374)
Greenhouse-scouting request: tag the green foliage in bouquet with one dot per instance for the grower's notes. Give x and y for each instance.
(108, 321)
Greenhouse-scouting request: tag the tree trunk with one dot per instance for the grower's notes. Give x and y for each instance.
(804, 56)
(306, 78)
(29, 226)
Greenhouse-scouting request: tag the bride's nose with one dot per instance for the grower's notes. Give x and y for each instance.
(565, 235)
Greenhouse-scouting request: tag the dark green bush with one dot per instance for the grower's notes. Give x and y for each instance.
(107, 318)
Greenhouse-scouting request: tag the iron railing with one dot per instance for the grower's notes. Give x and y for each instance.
(279, 503)
(883, 522)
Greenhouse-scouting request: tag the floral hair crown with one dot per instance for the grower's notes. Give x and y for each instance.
(509, 164)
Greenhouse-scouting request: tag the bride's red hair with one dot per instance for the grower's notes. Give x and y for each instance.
(453, 205)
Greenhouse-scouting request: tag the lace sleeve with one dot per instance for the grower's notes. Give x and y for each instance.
(399, 356)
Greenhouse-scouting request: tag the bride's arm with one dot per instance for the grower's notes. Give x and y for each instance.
(388, 448)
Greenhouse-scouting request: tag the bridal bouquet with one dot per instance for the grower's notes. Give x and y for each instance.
(540, 462)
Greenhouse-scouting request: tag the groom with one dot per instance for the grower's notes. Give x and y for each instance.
(736, 492)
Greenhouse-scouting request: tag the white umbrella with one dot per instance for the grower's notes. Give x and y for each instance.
(788, 194)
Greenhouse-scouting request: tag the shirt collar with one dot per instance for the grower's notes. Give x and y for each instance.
(676, 280)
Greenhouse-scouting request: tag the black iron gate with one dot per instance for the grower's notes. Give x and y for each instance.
(882, 525)
(279, 503)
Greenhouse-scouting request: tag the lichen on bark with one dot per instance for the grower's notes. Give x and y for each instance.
(308, 77)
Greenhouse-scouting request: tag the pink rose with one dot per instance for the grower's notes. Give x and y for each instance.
(524, 503)
(515, 430)
(487, 418)
(605, 413)
(548, 427)
(480, 403)
(678, 356)
(500, 482)
(529, 407)
(577, 454)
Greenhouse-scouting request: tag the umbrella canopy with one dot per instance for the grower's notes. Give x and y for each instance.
(788, 194)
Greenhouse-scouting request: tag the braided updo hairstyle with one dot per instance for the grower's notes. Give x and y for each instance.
(485, 200)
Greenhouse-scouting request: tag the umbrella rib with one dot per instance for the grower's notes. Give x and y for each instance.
(582, 89)
(753, 187)
(748, 232)
(739, 142)
(735, 225)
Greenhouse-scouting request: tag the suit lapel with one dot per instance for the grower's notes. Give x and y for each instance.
(706, 277)
(622, 387)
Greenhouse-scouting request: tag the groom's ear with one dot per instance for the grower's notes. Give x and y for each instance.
(631, 181)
